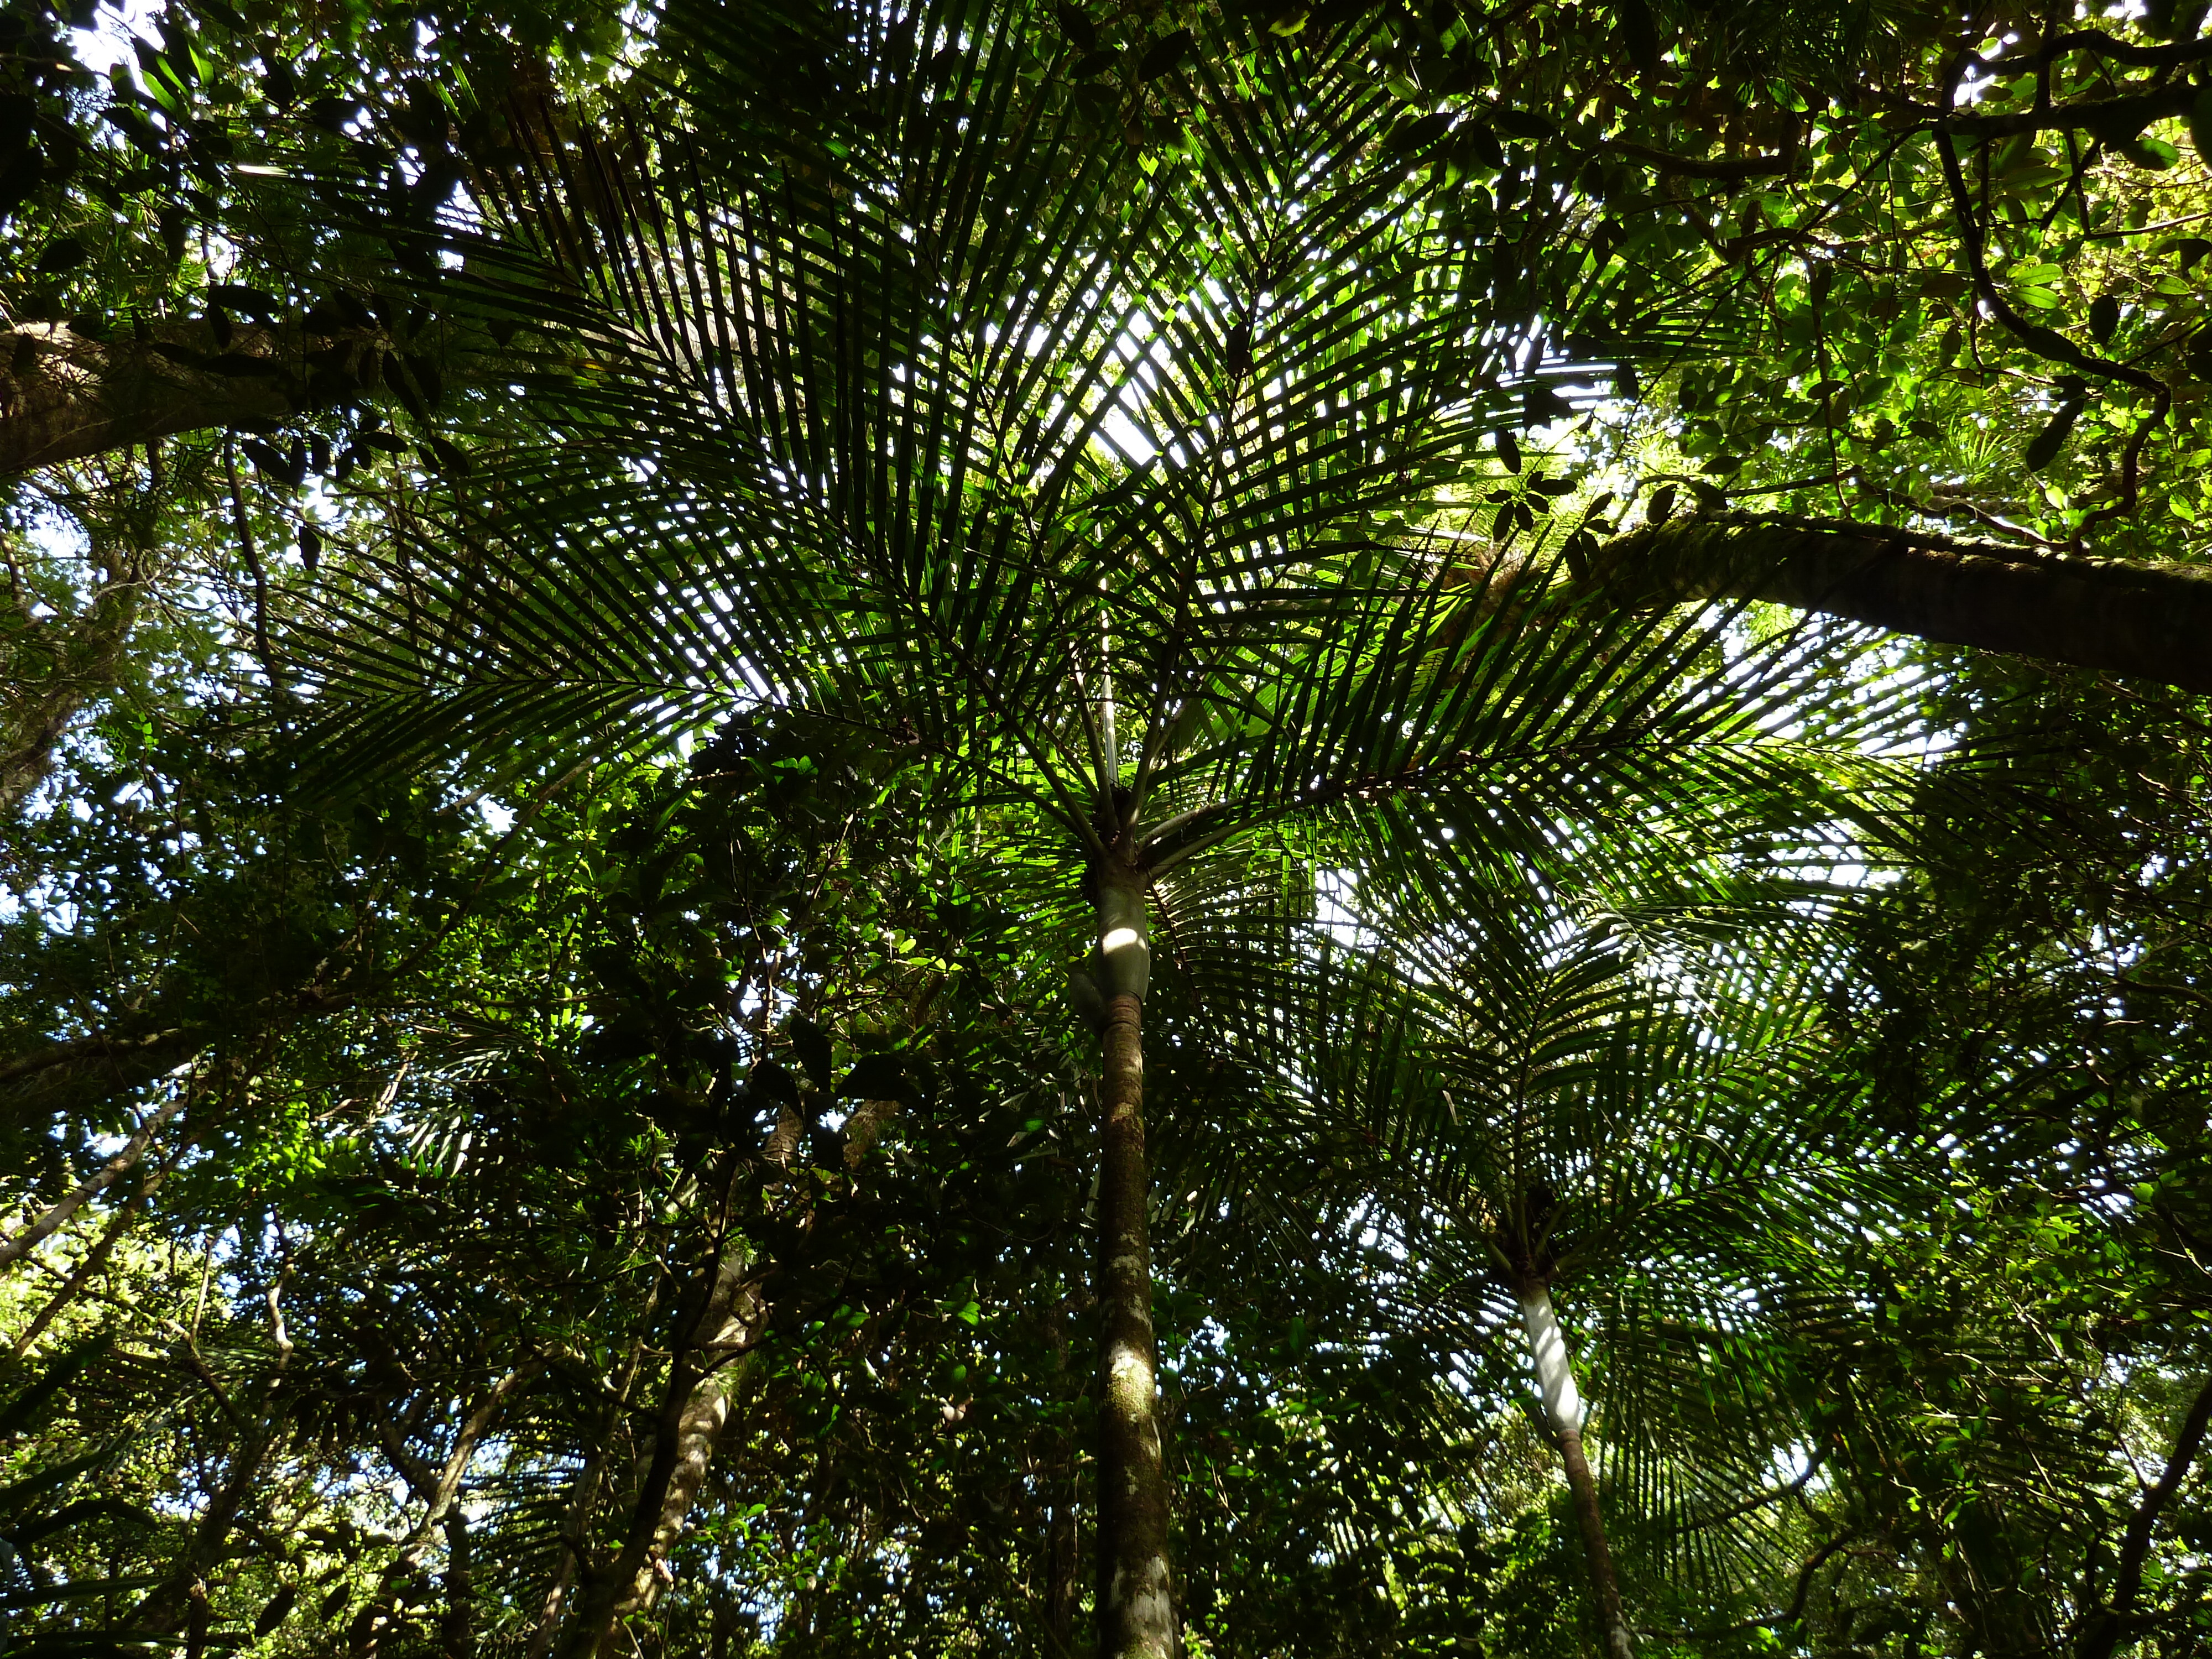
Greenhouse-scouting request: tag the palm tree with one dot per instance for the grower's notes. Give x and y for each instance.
(1122, 486)
(1615, 1094)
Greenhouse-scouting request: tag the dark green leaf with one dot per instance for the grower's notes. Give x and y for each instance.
(1640, 35)
(772, 1082)
(879, 1077)
(2044, 448)
(1164, 55)
(247, 302)
(1075, 23)
(274, 1615)
(1524, 123)
(63, 1371)
(1419, 132)
(812, 1044)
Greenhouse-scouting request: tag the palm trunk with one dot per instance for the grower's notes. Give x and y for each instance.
(2149, 620)
(1563, 1411)
(1136, 1614)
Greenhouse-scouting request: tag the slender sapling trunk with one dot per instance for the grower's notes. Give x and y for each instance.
(1563, 1412)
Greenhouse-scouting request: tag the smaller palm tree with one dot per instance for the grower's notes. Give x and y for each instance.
(1564, 1094)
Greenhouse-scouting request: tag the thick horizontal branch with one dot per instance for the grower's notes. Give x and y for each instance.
(65, 396)
(2124, 117)
(135, 1055)
(75, 1071)
(2166, 56)
(2150, 621)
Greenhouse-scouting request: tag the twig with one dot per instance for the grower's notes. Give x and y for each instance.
(253, 560)
(2049, 342)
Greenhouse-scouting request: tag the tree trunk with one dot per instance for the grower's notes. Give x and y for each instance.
(2152, 621)
(76, 1073)
(84, 397)
(695, 1410)
(1563, 1411)
(14, 1249)
(81, 1070)
(437, 1494)
(56, 665)
(457, 1632)
(1136, 1611)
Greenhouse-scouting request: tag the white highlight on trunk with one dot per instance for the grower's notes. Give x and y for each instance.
(1130, 1383)
(1123, 965)
(1555, 1374)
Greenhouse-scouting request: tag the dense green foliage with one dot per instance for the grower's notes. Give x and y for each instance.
(595, 596)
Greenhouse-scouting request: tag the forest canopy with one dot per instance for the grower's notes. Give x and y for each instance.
(916, 827)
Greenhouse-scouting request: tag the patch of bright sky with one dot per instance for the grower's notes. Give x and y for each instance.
(107, 42)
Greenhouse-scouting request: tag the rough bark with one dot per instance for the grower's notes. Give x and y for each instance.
(76, 1073)
(1563, 1412)
(83, 397)
(79, 1072)
(2148, 620)
(695, 1410)
(1136, 1609)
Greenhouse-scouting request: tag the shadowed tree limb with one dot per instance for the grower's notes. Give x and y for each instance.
(171, 1603)
(695, 1409)
(2151, 621)
(96, 1257)
(21, 1244)
(64, 397)
(2106, 1627)
(437, 1491)
(56, 664)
